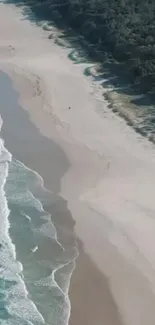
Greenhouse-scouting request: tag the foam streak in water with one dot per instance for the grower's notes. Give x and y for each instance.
(17, 308)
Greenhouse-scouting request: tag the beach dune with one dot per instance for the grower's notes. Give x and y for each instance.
(108, 181)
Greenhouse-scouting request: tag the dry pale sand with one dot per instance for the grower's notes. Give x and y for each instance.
(110, 183)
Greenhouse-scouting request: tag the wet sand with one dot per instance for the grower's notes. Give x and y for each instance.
(89, 288)
(90, 295)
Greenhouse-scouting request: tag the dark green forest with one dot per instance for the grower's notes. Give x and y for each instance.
(125, 29)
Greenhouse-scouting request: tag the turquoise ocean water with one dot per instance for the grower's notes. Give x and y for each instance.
(35, 268)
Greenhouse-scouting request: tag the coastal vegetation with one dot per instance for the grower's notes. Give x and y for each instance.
(120, 30)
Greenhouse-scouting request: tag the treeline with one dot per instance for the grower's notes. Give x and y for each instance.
(124, 28)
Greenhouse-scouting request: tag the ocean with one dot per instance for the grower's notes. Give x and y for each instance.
(35, 265)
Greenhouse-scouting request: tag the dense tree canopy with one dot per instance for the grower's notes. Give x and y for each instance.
(126, 28)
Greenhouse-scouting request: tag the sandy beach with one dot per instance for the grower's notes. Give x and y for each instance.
(103, 171)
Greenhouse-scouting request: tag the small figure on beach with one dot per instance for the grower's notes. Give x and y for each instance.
(69, 107)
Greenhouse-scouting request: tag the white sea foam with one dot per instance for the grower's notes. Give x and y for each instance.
(48, 228)
(18, 304)
(34, 249)
(26, 216)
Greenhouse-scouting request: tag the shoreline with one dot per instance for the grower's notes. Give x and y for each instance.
(19, 146)
(23, 144)
(109, 184)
